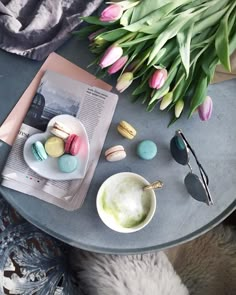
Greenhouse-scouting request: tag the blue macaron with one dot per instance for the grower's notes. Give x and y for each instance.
(147, 149)
(67, 163)
(38, 151)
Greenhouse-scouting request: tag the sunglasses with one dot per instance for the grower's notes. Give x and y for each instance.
(197, 187)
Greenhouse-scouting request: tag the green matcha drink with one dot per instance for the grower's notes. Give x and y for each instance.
(124, 199)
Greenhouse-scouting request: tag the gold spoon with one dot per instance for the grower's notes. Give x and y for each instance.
(153, 185)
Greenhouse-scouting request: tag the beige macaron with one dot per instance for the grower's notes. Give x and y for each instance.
(54, 146)
(115, 153)
(126, 130)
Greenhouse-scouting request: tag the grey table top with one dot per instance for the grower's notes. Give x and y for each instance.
(178, 217)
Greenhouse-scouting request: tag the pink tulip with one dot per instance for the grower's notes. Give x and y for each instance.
(111, 55)
(117, 65)
(124, 81)
(158, 78)
(205, 109)
(112, 13)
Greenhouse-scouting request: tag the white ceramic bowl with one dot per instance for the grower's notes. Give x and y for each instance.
(49, 168)
(129, 186)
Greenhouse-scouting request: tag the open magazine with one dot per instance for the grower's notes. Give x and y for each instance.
(56, 95)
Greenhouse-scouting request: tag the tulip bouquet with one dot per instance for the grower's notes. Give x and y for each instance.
(171, 47)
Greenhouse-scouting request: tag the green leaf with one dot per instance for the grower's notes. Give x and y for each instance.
(181, 89)
(135, 27)
(222, 44)
(158, 57)
(98, 50)
(146, 97)
(169, 33)
(232, 22)
(199, 94)
(145, 7)
(208, 61)
(214, 6)
(211, 73)
(204, 38)
(183, 85)
(157, 27)
(232, 44)
(173, 120)
(94, 62)
(184, 40)
(138, 40)
(171, 53)
(85, 31)
(196, 4)
(152, 105)
(222, 40)
(208, 20)
(154, 16)
(135, 98)
(137, 50)
(126, 17)
(113, 35)
(95, 20)
(143, 87)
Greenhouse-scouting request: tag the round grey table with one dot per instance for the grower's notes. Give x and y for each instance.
(178, 218)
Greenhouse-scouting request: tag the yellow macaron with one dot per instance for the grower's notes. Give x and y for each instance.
(126, 130)
(54, 146)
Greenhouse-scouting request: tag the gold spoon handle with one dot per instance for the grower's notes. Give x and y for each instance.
(154, 185)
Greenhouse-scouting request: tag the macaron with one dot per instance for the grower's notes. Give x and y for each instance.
(115, 153)
(126, 130)
(72, 145)
(67, 163)
(146, 149)
(38, 151)
(54, 146)
(60, 130)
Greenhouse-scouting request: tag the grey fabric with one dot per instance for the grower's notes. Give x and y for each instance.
(35, 28)
(4, 152)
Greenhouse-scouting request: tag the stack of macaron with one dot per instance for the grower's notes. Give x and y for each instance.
(146, 149)
(63, 145)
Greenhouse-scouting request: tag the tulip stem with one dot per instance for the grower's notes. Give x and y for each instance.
(141, 61)
(129, 36)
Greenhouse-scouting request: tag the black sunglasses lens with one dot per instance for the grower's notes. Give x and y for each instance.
(196, 188)
(178, 150)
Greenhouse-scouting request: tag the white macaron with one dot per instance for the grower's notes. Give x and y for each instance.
(60, 130)
(115, 153)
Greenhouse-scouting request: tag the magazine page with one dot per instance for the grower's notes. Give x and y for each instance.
(58, 94)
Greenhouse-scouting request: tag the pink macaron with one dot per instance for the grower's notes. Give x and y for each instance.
(115, 153)
(72, 145)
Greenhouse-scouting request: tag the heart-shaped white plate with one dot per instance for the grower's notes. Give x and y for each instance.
(49, 168)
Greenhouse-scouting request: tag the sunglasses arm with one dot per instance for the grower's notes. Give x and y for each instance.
(202, 171)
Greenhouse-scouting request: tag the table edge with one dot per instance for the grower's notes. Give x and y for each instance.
(149, 249)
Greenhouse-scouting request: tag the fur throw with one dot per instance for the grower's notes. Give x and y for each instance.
(145, 274)
(207, 265)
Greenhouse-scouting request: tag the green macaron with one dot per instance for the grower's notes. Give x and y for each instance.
(38, 151)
